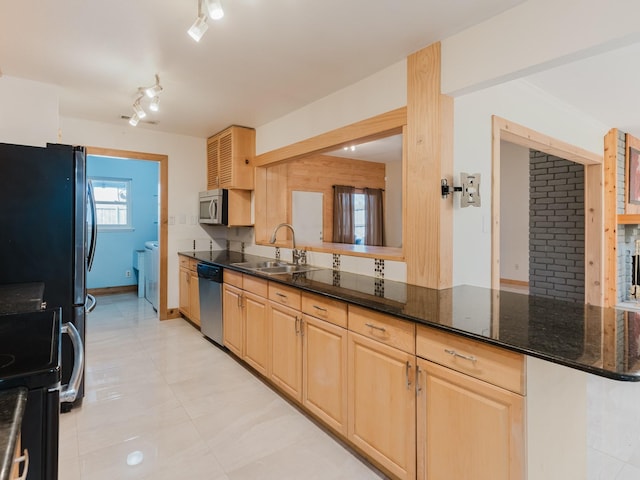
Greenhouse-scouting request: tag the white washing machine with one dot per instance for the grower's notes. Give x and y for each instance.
(152, 273)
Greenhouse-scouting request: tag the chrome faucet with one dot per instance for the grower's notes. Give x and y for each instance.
(297, 254)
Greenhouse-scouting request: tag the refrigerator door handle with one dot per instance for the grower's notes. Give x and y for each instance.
(69, 392)
(92, 305)
(94, 226)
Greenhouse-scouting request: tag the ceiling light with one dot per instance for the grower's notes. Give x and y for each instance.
(154, 90)
(214, 7)
(133, 121)
(154, 106)
(198, 28)
(139, 111)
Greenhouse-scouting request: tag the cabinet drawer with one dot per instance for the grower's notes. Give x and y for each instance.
(284, 295)
(257, 286)
(193, 265)
(384, 328)
(485, 362)
(232, 278)
(333, 311)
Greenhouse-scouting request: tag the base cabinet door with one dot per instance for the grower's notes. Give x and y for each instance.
(232, 324)
(382, 404)
(286, 349)
(257, 333)
(185, 279)
(324, 375)
(194, 298)
(467, 429)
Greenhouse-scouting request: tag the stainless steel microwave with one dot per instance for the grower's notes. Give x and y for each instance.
(213, 207)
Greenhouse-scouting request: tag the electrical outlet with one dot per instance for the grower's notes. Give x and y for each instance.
(127, 273)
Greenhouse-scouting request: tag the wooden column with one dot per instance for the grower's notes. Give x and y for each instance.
(428, 224)
(610, 217)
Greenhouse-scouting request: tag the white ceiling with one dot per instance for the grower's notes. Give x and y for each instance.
(602, 86)
(264, 59)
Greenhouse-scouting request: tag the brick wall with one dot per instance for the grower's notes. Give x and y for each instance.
(556, 227)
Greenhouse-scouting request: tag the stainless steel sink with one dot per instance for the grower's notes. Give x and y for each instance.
(257, 265)
(275, 267)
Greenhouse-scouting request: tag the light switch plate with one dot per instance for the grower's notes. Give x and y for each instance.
(470, 190)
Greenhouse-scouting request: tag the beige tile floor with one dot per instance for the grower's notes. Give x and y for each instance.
(163, 403)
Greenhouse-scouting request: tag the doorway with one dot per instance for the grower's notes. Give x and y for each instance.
(163, 161)
(506, 131)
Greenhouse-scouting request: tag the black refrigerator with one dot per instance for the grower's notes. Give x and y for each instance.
(48, 234)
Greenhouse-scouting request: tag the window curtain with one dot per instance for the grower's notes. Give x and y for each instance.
(343, 231)
(374, 221)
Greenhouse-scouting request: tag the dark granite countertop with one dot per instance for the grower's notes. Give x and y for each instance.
(601, 341)
(12, 405)
(21, 297)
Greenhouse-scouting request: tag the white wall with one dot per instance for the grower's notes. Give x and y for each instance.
(187, 167)
(384, 91)
(28, 112)
(514, 212)
(519, 102)
(534, 36)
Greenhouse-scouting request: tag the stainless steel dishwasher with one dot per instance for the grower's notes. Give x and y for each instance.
(210, 290)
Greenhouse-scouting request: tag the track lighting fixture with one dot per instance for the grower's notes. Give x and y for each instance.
(153, 92)
(214, 11)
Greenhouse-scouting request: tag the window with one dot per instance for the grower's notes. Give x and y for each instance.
(113, 204)
(359, 216)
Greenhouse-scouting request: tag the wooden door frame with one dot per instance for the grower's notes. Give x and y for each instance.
(505, 130)
(163, 161)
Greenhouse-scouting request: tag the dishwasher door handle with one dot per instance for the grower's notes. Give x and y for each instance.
(70, 392)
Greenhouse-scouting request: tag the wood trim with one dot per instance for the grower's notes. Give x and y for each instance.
(113, 290)
(369, 129)
(594, 234)
(163, 160)
(611, 216)
(594, 210)
(523, 136)
(366, 251)
(628, 219)
(519, 283)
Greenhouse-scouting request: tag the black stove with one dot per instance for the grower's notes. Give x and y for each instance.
(30, 346)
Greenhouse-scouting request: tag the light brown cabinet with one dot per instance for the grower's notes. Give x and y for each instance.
(246, 324)
(189, 295)
(419, 402)
(470, 424)
(230, 158)
(324, 360)
(382, 404)
(232, 324)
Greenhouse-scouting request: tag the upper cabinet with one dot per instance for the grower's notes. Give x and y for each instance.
(230, 158)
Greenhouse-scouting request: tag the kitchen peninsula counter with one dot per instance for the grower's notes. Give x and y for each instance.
(600, 341)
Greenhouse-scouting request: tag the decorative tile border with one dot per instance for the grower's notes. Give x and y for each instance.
(277, 253)
(336, 278)
(336, 261)
(379, 268)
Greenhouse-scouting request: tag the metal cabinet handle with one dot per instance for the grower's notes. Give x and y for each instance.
(281, 295)
(24, 459)
(407, 368)
(320, 308)
(296, 326)
(69, 393)
(371, 325)
(301, 327)
(418, 373)
(453, 353)
(239, 301)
